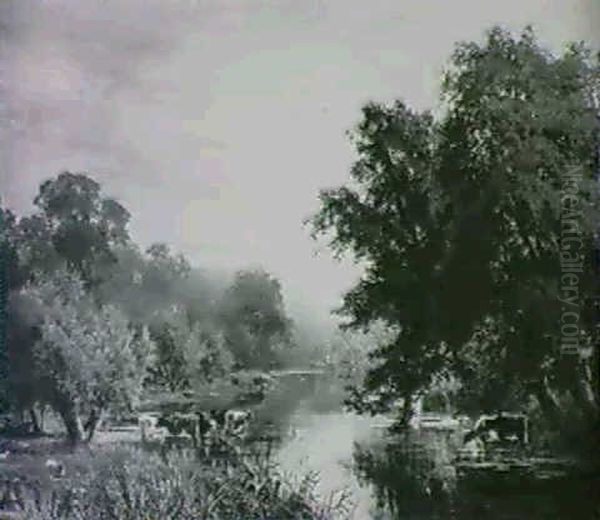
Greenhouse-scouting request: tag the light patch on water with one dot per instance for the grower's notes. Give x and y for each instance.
(324, 443)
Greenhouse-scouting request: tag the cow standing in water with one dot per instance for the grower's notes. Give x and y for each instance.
(237, 423)
(148, 424)
(216, 433)
(181, 427)
(227, 429)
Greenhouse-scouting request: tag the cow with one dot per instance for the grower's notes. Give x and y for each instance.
(500, 428)
(182, 424)
(182, 440)
(221, 430)
(218, 417)
(55, 468)
(147, 423)
(237, 423)
(215, 432)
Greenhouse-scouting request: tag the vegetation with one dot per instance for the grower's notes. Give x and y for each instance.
(414, 476)
(93, 322)
(253, 314)
(121, 483)
(94, 325)
(479, 294)
(187, 353)
(87, 358)
(464, 223)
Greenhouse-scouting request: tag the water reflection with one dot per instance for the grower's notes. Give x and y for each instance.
(412, 476)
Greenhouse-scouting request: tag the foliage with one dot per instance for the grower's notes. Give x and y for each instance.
(348, 351)
(77, 232)
(162, 290)
(187, 353)
(88, 357)
(79, 222)
(207, 355)
(146, 285)
(458, 222)
(74, 226)
(7, 260)
(12, 274)
(169, 369)
(254, 319)
(132, 485)
(23, 386)
(80, 293)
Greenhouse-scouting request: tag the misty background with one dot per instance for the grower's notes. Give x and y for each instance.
(216, 123)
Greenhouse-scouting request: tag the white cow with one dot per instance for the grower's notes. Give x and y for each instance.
(148, 425)
(237, 422)
(55, 468)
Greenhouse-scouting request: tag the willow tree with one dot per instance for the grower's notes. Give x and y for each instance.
(88, 358)
(462, 221)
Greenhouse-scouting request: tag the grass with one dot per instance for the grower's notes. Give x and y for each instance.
(128, 483)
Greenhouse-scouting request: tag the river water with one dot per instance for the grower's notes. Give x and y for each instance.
(408, 477)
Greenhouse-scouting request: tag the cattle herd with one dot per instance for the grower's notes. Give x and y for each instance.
(212, 432)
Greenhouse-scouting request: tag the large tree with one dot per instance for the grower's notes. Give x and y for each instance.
(80, 223)
(8, 263)
(254, 319)
(188, 353)
(20, 248)
(145, 285)
(461, 222)
(88, 359)
(74, 225)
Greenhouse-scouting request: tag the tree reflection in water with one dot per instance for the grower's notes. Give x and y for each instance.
(413, 478)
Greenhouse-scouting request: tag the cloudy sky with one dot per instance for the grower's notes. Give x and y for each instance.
(217, 122)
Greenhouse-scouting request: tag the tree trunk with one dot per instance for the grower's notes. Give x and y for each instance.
(42, 416)
(407, 411)
(75, 432)
(34, 420)
(92, 424)
(584, 389)
(72, 422)
(549, 404)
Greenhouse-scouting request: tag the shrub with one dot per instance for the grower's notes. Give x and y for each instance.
(131, 484)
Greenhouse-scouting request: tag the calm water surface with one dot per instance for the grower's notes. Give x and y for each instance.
(409, 477)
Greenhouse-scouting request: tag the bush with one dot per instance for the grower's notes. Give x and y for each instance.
(131, 484)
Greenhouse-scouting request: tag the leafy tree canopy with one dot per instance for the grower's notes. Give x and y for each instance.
(81, 223)
(254, 318)
(460, 222)
(89, 358)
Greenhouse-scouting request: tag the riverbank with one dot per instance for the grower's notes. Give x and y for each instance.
(43, 479)
(302, 422)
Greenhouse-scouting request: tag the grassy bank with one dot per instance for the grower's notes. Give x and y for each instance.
(125, 482)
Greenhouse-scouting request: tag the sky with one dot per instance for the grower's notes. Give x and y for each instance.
(217, 122)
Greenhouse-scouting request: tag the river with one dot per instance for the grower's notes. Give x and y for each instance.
(389, 478)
